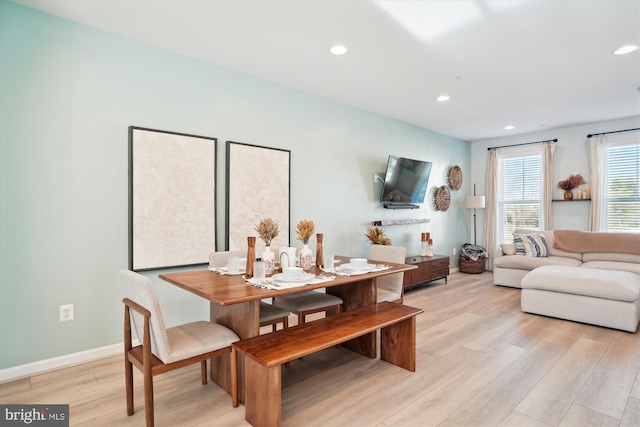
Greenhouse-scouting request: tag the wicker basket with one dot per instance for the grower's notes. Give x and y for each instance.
(468, 265)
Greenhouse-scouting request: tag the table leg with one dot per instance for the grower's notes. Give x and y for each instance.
(244, 320)
(356, 295)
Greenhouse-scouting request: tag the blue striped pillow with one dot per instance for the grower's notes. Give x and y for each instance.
(535, 245)
(517, 240)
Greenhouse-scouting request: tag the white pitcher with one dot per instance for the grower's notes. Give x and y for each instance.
(287, 257)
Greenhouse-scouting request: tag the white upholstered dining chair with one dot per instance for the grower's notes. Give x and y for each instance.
(269, 313)
(165, 349)
(389, 288)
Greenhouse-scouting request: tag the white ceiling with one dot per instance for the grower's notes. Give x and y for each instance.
(532, 64)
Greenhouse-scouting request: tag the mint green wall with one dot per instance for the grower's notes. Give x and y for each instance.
(68, 94)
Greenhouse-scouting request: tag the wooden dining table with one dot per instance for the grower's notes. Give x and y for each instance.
(236, 304)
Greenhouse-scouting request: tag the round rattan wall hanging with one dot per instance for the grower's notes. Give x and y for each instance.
(455, 177)
(442, 198)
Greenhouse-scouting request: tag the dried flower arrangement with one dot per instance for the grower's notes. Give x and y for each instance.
(267, 229)
(305, 230)
(572, 182)
(377, 236)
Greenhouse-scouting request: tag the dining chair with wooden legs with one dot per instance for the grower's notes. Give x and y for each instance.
(389, 288)
(165, 349)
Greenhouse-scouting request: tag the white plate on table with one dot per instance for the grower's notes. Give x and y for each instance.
(298, 279)
(348, 268)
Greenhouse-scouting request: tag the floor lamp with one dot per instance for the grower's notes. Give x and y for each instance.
(475, 202)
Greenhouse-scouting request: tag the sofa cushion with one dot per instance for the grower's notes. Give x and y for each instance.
(608, 256)
(529, 263)
(535, 245)
(549, 237)
(608, 284)
(613, 265)
(508, 248)
(519, 244)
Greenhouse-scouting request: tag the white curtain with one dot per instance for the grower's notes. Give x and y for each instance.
(548, 184)
(597, 153)
(491, 212)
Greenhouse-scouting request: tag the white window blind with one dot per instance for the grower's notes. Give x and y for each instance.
(622, 192)
(519, 194)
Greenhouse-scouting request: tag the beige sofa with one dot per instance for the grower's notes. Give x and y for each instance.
(508, 270)
(574, 275)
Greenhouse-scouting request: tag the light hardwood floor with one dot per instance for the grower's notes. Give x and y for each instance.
(481, 362)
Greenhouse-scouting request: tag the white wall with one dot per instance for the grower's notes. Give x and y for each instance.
(570, 158)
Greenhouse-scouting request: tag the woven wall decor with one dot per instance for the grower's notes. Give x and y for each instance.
(442, 198)
(455, 177)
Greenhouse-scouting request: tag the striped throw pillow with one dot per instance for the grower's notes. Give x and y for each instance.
(517, 241)
(535, 245)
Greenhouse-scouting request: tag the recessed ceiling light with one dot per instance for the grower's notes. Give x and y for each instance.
(443, 98)
(626, 49)
(338, 50)
(510, 127)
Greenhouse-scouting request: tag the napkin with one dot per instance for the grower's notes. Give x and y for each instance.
(269, 283)
(338, 270)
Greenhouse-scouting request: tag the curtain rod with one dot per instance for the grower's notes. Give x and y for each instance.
(615, 131)
(524, 143)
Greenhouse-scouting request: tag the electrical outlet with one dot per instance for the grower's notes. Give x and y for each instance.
(66, 312)
(455, 250)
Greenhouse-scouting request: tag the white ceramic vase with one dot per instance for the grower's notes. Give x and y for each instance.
(305, 257)
(269, 259)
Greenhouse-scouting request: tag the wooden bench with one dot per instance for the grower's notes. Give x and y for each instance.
(265, 354)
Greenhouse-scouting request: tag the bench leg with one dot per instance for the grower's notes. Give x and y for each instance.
(398, 344)
(262, 394)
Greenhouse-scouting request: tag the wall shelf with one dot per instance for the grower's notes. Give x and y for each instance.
(400, 221)
(572, 200)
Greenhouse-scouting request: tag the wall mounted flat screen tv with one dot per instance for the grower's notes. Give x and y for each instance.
(405, 182)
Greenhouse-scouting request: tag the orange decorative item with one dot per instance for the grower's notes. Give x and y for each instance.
(251, 256)
(319, 257)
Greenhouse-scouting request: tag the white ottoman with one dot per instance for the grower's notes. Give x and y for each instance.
(608, 298)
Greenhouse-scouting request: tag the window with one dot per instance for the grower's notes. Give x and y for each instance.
(622, 184)
(519, 192)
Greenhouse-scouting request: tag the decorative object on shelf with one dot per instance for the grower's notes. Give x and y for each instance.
(455, 177)
(305, 230)
(424, 242)
(401, 221)
(251, 256)
(573, 181)
(377, 236)
(430, 247)
(474, 202)
(442, 198)
(267, 229)
(319, 256)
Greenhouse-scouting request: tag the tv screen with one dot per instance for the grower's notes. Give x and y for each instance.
(405, 180)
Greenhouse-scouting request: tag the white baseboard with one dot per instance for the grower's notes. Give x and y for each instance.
(42, 366)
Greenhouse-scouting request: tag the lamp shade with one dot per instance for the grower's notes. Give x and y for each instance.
(476, 202)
